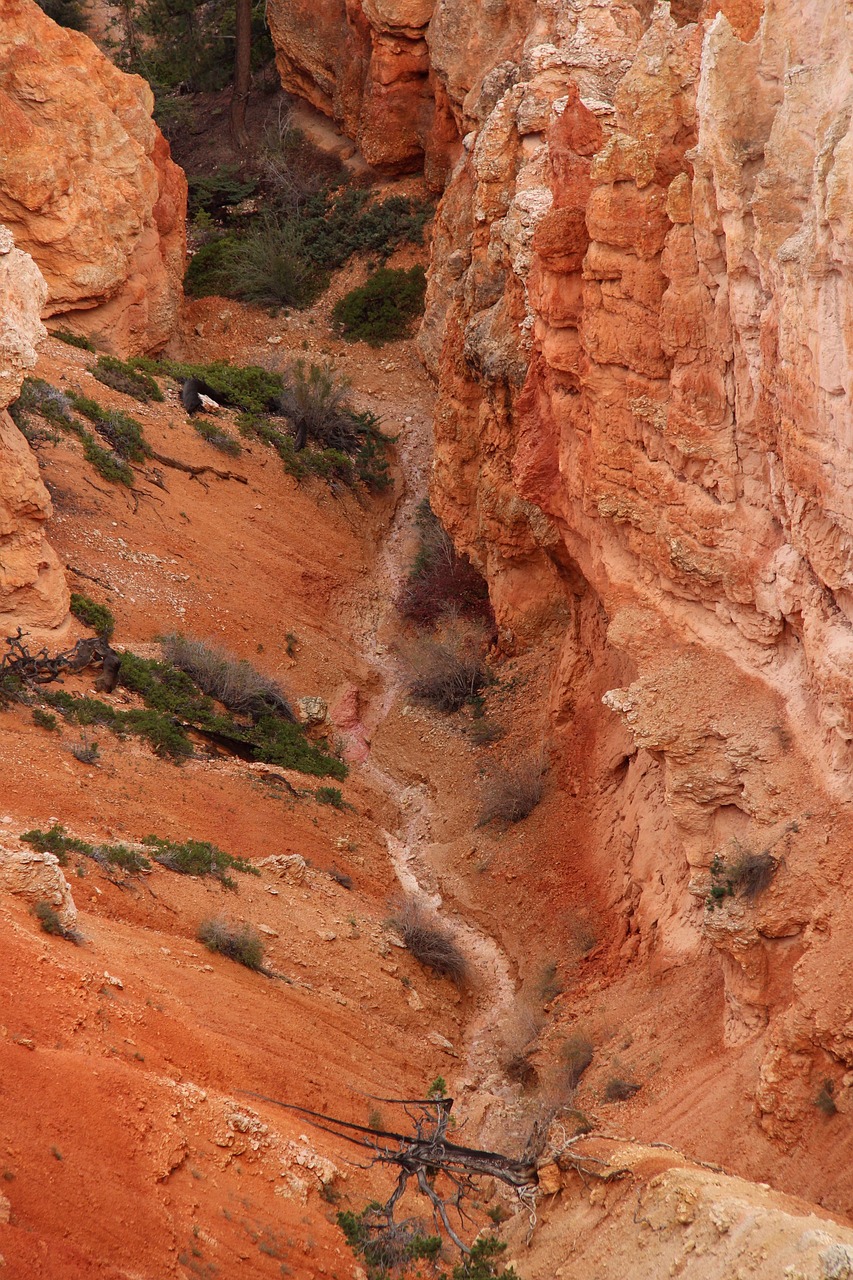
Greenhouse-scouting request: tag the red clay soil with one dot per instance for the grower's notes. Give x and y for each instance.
(132, 1141)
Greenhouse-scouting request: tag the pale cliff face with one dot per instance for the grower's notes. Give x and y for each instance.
(86, 183)
(637, 320)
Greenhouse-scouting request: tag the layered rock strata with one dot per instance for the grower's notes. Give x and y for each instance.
(637, 321)
(87, 185)
(33, 593)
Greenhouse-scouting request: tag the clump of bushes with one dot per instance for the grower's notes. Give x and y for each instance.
(237, 942)
(72, 339)
(122, 432)
(96, 616)
(448, 666)
(246, 387)
(442, 580)
(65, 13)
(57, 841)
(122, 376)
(510, 795)
(387, 1247)
(233, 682)
(383, 308)
(746, 875)
(198, 858)
(218, 437)
(431, 943)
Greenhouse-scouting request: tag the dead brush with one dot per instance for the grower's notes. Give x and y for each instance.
(511, 795)
(235, 683)
(447, 667)
(431, 943)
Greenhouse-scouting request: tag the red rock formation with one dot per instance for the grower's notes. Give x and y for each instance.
(87, 185)
(637, 320)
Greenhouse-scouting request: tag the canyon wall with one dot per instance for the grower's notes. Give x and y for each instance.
(33, 593)
(87, 185)
(637, 322)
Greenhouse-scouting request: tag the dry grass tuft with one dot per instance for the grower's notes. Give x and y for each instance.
(235, 683)
(431, 943)
(510, 795)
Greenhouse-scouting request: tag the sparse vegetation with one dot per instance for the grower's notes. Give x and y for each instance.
(576, 1053)
(745, 875)
(51, 923)
(122, 432)
(44, 720)
(619, 1090)
(96, 616)
(218, 437)
(332, 796)
(85, 751)
(198, 858)
(441, 580)
(246, 387)
(383, 308)
(123, 376)
(66, 13)
(233, 682)
(448, 666)
(72, 339)
(240, 943)
(511, 795)
(386, 1249)
(58, 842)
(431, 943)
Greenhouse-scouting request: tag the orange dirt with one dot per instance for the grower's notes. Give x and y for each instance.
(131, 1143)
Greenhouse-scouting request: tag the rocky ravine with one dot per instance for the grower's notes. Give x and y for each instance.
(637, 324)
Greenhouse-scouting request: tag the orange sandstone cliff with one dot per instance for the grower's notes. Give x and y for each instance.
(637, 322)
(87, 186)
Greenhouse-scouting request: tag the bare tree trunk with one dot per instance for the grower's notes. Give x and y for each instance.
(242, 72)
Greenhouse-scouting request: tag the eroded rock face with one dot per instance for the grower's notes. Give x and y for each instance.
(33, 593)
(37, 877)
(637, 322)
(87, 185)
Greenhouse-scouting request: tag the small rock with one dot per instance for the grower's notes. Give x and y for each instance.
(264, 928)
(114, 982)
(312, 710)
(414, 1000)
(274, 340)
(327, 935)
(5, 1210)
(441, 1043)
(25, 1042)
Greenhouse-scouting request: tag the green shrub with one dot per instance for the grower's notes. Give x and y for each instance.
(482, 1262)
(218, 437)
(123, 376)
(85, 751)
(246, 387)
(45, 720)
(65, 13)
(209, 271)
(118, 428)
(746, 874)
(387, 1247)
(240, 943)
(58, 842)
(96, 616)
(198, 858)
(52, 924)
(270, 266)
(213, 193)
(72, 339)
(383, 308)
(107, 463)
